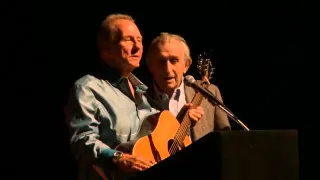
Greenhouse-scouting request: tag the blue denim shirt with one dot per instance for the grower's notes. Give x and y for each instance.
(104, 113)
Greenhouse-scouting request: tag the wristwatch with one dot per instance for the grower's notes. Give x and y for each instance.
(116, 156)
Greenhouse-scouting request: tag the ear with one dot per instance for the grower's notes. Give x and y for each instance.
(187, 65)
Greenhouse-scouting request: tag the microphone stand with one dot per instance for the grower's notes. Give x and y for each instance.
(218, 103)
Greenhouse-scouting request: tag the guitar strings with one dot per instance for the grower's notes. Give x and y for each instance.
(179, 138)
(175, 145)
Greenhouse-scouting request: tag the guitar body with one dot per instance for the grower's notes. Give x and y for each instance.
(156, 145)
(152, 143)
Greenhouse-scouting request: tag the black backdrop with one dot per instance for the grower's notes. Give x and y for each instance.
(258, 55)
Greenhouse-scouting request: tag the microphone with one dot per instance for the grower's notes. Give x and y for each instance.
(191, 82)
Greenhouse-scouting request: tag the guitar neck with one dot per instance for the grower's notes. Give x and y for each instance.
(186, 121)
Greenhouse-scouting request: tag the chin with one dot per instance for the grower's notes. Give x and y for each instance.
(132, 67)
(171, 86)
(135, 64)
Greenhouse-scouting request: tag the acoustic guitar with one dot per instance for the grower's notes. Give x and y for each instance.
(163, 134)
(170, 134)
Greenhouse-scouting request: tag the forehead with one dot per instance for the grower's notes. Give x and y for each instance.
(173, 48)
(127, 28)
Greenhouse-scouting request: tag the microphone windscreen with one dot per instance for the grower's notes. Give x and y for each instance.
(189, 79)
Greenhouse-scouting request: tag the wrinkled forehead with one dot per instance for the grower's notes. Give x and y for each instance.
(169, 47)
(127, 28)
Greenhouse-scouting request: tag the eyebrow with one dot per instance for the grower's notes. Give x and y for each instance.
(129, 36)
(170, 57)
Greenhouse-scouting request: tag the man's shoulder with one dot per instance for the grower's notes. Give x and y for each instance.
(212, 86)
(86, 80)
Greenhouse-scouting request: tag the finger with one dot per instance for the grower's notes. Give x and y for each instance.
(141, 166)
(201, 111)
(147, 163)
(194, 115)
(197, 110)
(153, 162)
(127, 166)
(137, 168)
(193, 112)
(129, 163)
(134, 166)
(144, 162)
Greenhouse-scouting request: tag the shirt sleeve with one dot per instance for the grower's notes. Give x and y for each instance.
(84, 126)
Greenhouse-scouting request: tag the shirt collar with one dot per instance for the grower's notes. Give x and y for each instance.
(114, 77)
(136, 82)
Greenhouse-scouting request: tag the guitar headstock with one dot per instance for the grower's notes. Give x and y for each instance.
(205, 67)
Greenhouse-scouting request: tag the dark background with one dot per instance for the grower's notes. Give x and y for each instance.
(259, 56)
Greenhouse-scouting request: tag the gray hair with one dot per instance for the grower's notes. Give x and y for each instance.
(165, 37)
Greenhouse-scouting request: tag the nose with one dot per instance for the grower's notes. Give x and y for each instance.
(168, 67)
(137, 45)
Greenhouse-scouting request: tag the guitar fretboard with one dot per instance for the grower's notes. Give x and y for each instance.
(185, 124)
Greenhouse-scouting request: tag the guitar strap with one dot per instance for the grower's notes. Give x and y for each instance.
(153, 103)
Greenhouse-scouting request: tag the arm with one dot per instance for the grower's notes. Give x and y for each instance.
(221, 121)
(84, 126)
(85, 143)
